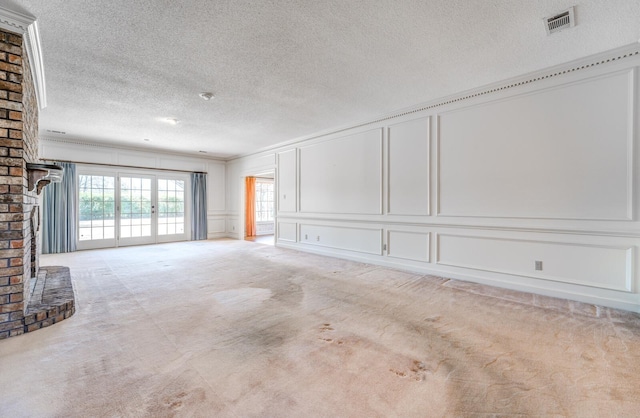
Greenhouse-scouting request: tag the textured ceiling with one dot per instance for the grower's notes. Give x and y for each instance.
(281, 70)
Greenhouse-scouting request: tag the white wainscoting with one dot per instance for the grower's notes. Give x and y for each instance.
(216, 226)
(234, 229)
(563, 153)
(408, 172)
(408, 245)
(287, 232)
(363, 240)
(343, 175)
(608, 267)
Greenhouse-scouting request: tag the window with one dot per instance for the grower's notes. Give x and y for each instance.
(264, 201)
(97, 207)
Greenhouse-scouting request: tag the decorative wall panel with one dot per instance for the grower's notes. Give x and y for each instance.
(608, 267)
(562, 153)
(364, 240)
(343, 175)
(408, 245)
(409, 168)
(287, 176)
(287, 231)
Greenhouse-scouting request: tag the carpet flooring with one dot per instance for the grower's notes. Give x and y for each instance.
(237, 329)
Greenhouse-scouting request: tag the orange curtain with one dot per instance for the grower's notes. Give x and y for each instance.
(250, 207)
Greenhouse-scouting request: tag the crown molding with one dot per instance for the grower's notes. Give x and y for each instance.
(15, 22)
(27, 26)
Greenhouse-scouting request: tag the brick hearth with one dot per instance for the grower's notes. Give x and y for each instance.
(51, 298)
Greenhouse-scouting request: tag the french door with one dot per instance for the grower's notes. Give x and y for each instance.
(119, 208)
(135, 213)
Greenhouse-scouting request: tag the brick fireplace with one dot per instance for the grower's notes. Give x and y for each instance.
(19, 212)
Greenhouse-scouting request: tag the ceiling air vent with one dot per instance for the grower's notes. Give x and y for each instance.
(562, 20)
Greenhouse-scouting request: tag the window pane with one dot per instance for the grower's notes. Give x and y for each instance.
(96, 205)
(85, 234)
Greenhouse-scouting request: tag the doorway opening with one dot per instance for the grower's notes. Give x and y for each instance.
(260, 208)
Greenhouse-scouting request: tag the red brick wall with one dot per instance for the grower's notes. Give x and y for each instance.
(18, 146)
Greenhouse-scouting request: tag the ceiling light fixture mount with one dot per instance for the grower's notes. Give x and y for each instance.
(205, 95)
(171, 121)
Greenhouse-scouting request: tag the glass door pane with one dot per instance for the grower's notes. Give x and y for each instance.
(171, 209)
(96, 211)
(136, 210)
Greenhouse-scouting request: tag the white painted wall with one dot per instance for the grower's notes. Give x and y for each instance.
(479, 186)
(78, 152)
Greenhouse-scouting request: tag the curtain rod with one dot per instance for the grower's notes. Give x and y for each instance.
(125, 166)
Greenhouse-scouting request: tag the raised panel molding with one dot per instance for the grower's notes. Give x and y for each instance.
(342, 175)
(408, 245)
(287, 180)
(363, 240)
(215, 225)
(564, 152)
(408, 167)
(233, 226)
(287, 231)
(606, 267)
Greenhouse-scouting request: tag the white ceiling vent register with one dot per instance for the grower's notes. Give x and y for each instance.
(560, 21)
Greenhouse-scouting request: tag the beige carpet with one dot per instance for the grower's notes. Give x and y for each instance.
(239, 329)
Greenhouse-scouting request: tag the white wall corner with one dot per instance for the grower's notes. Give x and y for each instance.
(28, 27)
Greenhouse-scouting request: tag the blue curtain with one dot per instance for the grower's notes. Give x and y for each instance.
(59, 213)
(199, 206)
